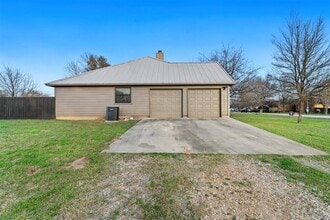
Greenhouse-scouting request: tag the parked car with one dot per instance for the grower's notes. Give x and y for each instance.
(255, 110)
(264, 108)
(245, 110)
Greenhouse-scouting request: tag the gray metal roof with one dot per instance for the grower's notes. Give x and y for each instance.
(151, 71)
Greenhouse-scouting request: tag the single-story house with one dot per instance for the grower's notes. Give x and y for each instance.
(146, 87)
(321, 108)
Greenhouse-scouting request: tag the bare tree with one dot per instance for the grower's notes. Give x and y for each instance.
(259, 90)
(36, 93)
(302, 58)
(74, 68)
(282, 90)
(14, 83)
(324, 97)
(233, 60)
(87, 62)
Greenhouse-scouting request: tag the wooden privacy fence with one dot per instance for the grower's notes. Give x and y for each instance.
(27, 107)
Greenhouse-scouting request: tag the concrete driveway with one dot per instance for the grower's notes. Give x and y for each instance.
(227, 136)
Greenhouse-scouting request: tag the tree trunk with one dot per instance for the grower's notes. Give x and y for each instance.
(301, 110)
(325, 109)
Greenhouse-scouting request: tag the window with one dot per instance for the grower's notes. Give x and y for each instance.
(123, 95)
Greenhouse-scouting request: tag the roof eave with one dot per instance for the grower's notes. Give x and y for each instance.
(137, 84)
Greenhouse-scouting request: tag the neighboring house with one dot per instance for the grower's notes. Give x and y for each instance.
(282, 108)
(320, 108)
(146, 87)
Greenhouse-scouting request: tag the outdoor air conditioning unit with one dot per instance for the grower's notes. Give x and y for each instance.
(112, 113)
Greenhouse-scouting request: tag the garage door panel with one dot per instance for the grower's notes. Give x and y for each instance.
(166, 103)
(204, 103)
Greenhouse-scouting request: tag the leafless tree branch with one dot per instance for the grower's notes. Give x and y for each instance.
(302, 59)
(86, 63)
(232, 59)
(14, 83)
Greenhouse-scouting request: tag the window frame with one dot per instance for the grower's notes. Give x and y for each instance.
(130, 95)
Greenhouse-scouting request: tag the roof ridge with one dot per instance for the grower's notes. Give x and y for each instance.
(129, 61)
(107, 75)
(91, 71)
(192, 62)
(141, 58)
(225, 71)
(158, 59)
(81, 74)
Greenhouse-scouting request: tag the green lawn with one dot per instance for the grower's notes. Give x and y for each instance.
(314, 180)
(312, 132)
(50, 145)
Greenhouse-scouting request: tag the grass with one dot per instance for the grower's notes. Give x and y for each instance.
(315, 180)
(170, 181)
(50, 146)
(312, 132)
(163, 187)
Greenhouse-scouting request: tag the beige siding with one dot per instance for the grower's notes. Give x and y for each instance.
(185, 101)
(82, 102)
(139, 105)
(90, 102)
(224, 102)
(228, 101)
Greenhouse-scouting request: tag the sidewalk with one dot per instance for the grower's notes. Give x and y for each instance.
(304, 115)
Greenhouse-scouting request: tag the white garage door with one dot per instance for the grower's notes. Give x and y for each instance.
(166, 103)
(203, 103)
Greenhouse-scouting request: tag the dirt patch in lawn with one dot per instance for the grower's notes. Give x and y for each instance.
(195, 186)
(248, 189)
(78, 163)
(115, 195)
(119, 192)
(321, 165)
(33, 170)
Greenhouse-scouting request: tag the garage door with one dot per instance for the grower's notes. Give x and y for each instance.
(166, 103)
(203, 103)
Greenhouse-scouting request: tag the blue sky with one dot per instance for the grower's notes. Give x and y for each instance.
(40, 37)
